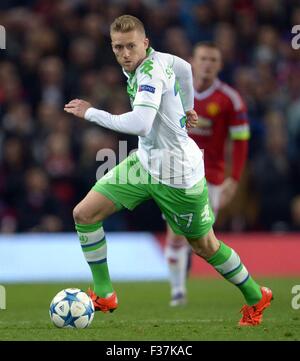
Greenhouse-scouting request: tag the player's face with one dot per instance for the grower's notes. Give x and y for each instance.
(129, 48)
(206, 63)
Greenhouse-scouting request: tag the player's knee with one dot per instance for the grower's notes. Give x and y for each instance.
(205, 246)
(80, 216)
(202, 249)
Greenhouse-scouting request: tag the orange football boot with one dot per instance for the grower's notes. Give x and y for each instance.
(252, 315)
(104, 304)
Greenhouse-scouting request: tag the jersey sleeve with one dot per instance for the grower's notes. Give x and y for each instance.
(239, 158)
(238, 122)
(183, 72)
(150, 82)
(239, 132)
(138, 122)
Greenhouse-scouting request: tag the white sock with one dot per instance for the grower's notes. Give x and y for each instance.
(177, 258)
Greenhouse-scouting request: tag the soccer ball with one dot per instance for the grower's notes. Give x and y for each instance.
(72, 308)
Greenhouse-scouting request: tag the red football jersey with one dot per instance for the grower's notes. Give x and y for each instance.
(221, 112)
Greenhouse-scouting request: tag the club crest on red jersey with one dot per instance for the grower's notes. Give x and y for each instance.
(213, 109)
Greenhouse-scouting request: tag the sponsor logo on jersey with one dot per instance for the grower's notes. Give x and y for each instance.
(213, 109)
(147, 88)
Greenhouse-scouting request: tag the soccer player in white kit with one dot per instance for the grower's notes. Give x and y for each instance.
(168, 167)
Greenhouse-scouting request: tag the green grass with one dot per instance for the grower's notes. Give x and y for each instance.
(211, 314)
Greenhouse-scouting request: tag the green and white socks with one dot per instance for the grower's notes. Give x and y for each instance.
(93, 244)
(227, 262)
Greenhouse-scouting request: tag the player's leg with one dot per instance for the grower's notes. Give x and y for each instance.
(188, 212)
(215, 252)
(88, 216)
(228, 263)
(111, 193)
(177, 254)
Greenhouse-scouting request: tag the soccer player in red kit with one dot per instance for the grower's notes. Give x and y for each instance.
(222, 114)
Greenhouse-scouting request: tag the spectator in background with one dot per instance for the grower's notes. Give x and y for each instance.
(225, 39)
(39, 210)
(15, 159)
(272, 175)
(82, 58)
(60, 167)
(11, 89)
(51, 81)
(295, 214)
(18, 121)
(246, 82)
(176, 42)
(198, 21)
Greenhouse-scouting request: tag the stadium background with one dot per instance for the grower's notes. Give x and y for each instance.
(59, 50)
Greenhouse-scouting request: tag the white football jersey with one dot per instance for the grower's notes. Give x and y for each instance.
(167, 152)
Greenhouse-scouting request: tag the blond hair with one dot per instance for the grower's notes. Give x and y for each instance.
(126, 23)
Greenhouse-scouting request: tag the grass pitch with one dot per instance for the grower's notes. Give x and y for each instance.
(212, 313)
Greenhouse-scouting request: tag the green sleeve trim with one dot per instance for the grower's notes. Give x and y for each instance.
(146, 105)
(244, 135)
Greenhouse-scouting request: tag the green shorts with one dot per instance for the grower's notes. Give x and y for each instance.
(187, 211)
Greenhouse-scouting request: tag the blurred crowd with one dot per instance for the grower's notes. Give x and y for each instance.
(57, 50)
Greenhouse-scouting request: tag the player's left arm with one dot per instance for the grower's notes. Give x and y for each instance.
(183, 73)
(239, 134)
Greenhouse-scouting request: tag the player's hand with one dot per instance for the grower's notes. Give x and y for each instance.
(77, 107)
(228, 190)
(191, 118)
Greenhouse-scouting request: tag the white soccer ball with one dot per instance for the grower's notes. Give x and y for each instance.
(72, 308)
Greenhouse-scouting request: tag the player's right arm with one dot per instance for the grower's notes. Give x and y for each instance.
(145, 106)
(137, 122)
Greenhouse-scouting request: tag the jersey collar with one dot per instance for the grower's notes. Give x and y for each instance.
(206, 93)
